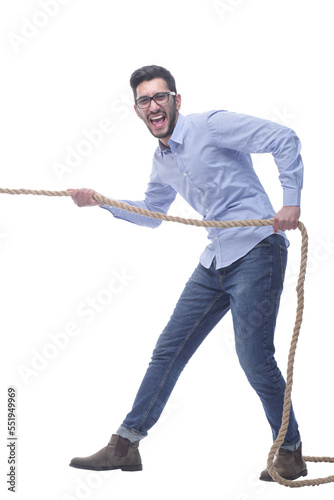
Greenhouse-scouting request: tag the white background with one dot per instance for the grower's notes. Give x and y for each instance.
(65, 68)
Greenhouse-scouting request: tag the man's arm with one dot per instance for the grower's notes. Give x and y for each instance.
(84, 197)
(250, 134)
(287, 218)
(158, 198)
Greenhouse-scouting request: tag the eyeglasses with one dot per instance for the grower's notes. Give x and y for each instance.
(158, 98)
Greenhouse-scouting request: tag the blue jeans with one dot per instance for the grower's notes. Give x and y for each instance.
(251, 288)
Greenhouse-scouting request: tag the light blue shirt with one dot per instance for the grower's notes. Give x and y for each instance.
(209, 164)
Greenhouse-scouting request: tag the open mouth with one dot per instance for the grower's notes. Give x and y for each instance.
(158, 120)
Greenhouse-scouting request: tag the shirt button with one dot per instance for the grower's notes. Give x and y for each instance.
(175, 154)
(185, 174)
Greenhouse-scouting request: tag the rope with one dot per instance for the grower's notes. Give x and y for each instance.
(298, 321)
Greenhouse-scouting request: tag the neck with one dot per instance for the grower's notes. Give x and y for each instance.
(164, 141)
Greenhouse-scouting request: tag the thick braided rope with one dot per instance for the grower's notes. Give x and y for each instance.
(146, 213)
(299, 314)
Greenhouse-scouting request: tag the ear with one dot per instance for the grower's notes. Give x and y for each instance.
(178, 102)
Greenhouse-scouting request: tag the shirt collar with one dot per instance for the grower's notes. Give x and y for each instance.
(177, 135)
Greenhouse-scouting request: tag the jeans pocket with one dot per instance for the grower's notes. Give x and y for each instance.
(263, 243)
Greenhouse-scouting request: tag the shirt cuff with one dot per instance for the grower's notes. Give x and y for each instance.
(291, 197)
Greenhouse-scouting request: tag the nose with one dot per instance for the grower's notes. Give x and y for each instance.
(153, 105)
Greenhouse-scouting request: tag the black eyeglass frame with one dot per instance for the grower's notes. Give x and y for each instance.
(167, 94)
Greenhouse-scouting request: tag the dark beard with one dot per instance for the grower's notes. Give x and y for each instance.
(170, 129)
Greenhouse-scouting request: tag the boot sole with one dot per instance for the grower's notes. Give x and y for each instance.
(269, 479)
(124, 468)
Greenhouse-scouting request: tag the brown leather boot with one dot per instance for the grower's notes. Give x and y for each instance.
(289, 465)
(119, 454)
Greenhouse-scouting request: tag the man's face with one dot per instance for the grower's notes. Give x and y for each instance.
(160, 119)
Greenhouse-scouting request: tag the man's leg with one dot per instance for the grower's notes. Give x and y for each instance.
(255, 285)
(201, 305)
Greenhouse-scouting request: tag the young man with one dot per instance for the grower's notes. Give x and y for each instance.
(206, 159)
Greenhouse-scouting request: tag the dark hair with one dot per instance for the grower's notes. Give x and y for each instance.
(147, 73)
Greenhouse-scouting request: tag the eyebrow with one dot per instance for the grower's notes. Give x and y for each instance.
(158, 92)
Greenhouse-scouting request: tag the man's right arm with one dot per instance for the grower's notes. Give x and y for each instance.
(158, 198)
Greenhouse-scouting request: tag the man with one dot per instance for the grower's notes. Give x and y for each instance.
(206, 159)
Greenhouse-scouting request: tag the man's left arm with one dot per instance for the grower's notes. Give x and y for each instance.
(250, 134)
